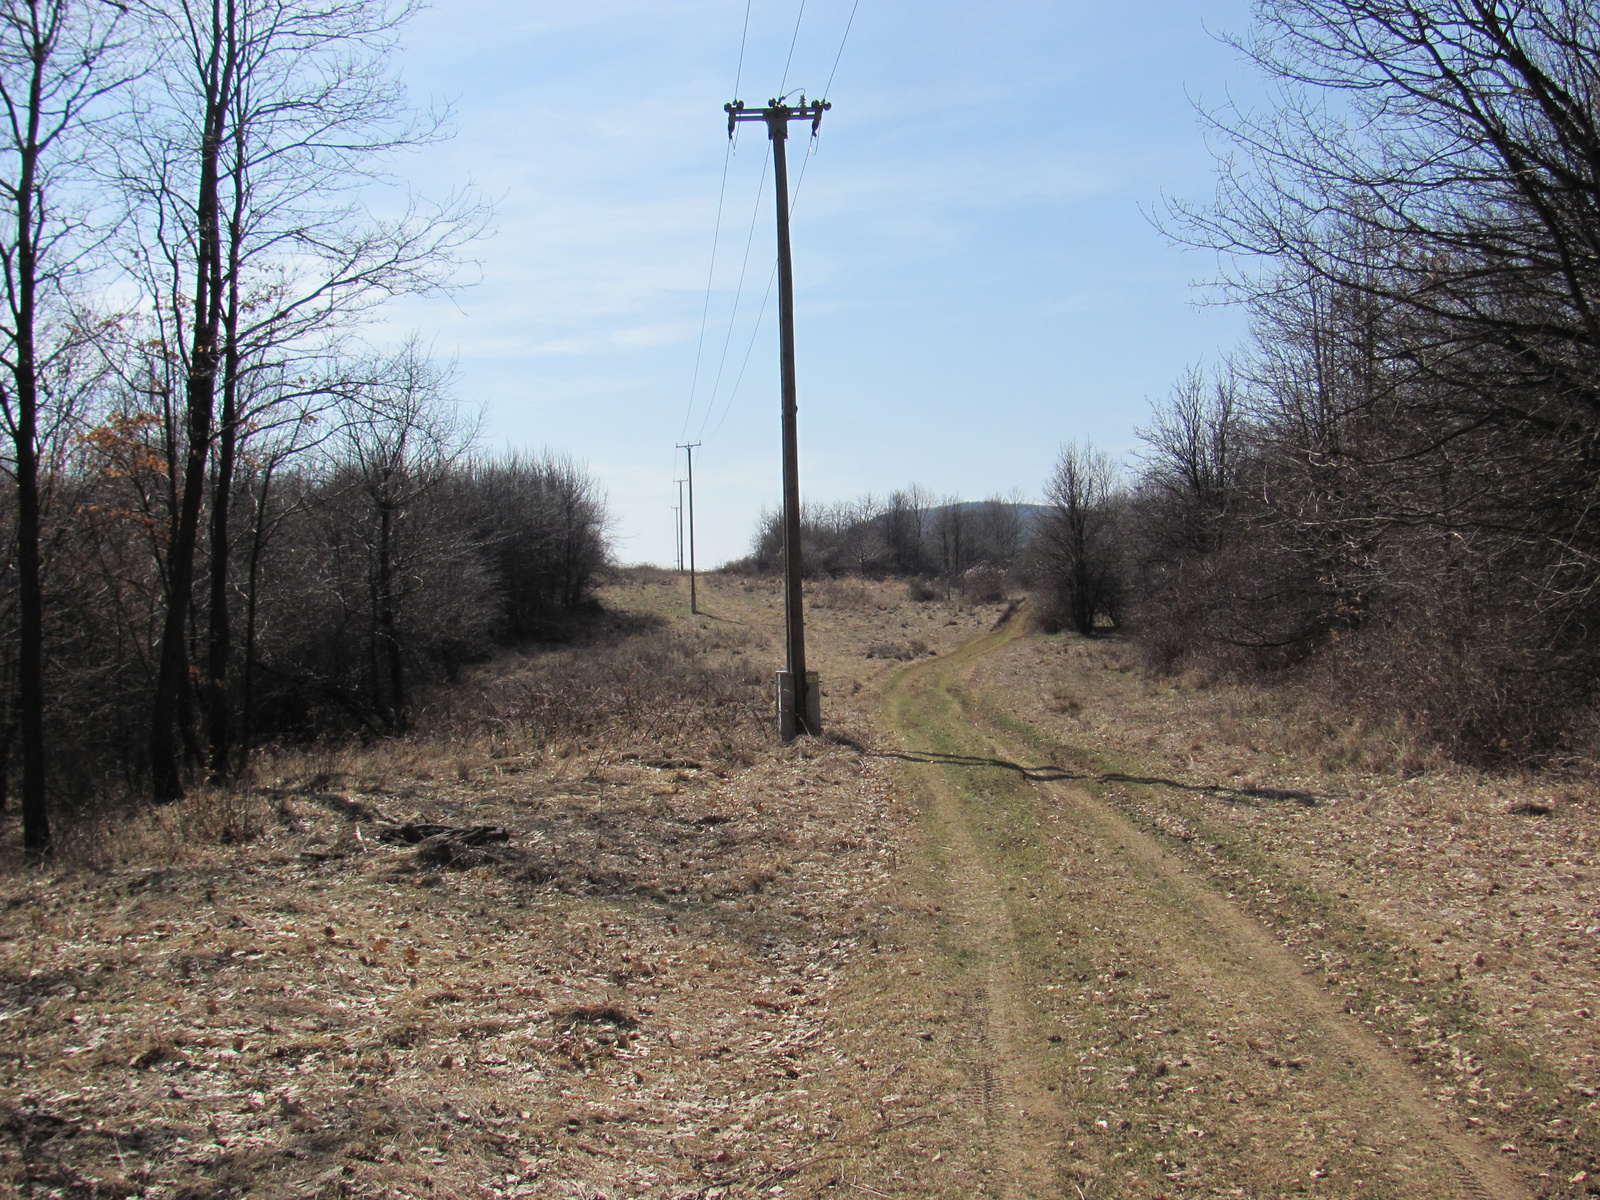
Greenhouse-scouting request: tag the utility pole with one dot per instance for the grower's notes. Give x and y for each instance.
(799, 711)
(679, 511)
(688, 450)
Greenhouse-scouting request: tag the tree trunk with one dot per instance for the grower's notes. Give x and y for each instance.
(219, 651)
(30, 589)
(257, 547)
(388, 631)
(166, 781)
(219, 642)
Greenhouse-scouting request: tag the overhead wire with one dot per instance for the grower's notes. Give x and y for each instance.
(716, 237)
(738, 297)
(829, 85)
(705, 308)
(744, 37)
(738, 74)
(798, 17)
(754, 333)
(794, 197)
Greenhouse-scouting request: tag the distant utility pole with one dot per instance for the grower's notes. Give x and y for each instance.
(799, 701)
(679, 511)
(688, 449)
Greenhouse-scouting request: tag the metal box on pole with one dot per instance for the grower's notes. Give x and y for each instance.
(788, 722)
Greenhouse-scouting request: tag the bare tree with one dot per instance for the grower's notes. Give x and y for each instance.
(399, 438)
(861, 535)
(284, 436)
(950, 531)
(543, 523)
(1077, 541)
(1432, 178)
(766, 544)
(1000, 530)
(905, 529)
(243, 173)
(1414, 225)
(54, 68)
(1192, 464)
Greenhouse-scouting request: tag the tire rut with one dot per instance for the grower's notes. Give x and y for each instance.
(994, 1018)
(1135, 887)
(1277, 969)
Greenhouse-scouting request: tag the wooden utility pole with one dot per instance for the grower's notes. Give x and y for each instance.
(802, 701)
(688, 449)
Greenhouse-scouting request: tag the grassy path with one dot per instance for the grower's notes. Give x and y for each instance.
(1126, 1029)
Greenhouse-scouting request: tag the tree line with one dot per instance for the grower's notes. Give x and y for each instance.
(1394, 482)
(911, 533)
(229, 518)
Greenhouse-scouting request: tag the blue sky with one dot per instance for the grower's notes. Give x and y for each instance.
(977, 277)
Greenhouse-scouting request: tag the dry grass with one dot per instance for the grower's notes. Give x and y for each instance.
(249, 993)
(1452, 909)
(687, 973)
(845, 592)
(656, 691)
(1405, 698)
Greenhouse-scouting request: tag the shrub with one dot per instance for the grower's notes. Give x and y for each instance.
(984, 584)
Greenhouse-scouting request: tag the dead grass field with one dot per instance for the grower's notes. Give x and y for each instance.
(705, 965)
(251, 994)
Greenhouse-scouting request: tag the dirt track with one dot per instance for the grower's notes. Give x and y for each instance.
(1131, 1031)
(1025, 924)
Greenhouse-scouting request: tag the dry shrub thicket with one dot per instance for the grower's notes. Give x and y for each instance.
(376, 571)
(959, 547)
(656, 692)
(1388, 495)
(626, 688)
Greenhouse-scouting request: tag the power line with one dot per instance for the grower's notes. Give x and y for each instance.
(738, 297)
(755, 333)
(748, 350)
(826, 90)
(744, 37)
(738, 75)
(793, 201)
(716, 234)
(797, 18)
(711, 274)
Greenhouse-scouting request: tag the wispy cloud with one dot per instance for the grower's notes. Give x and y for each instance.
(967, 235)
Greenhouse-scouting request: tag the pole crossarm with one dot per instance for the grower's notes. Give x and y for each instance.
(777, 115)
